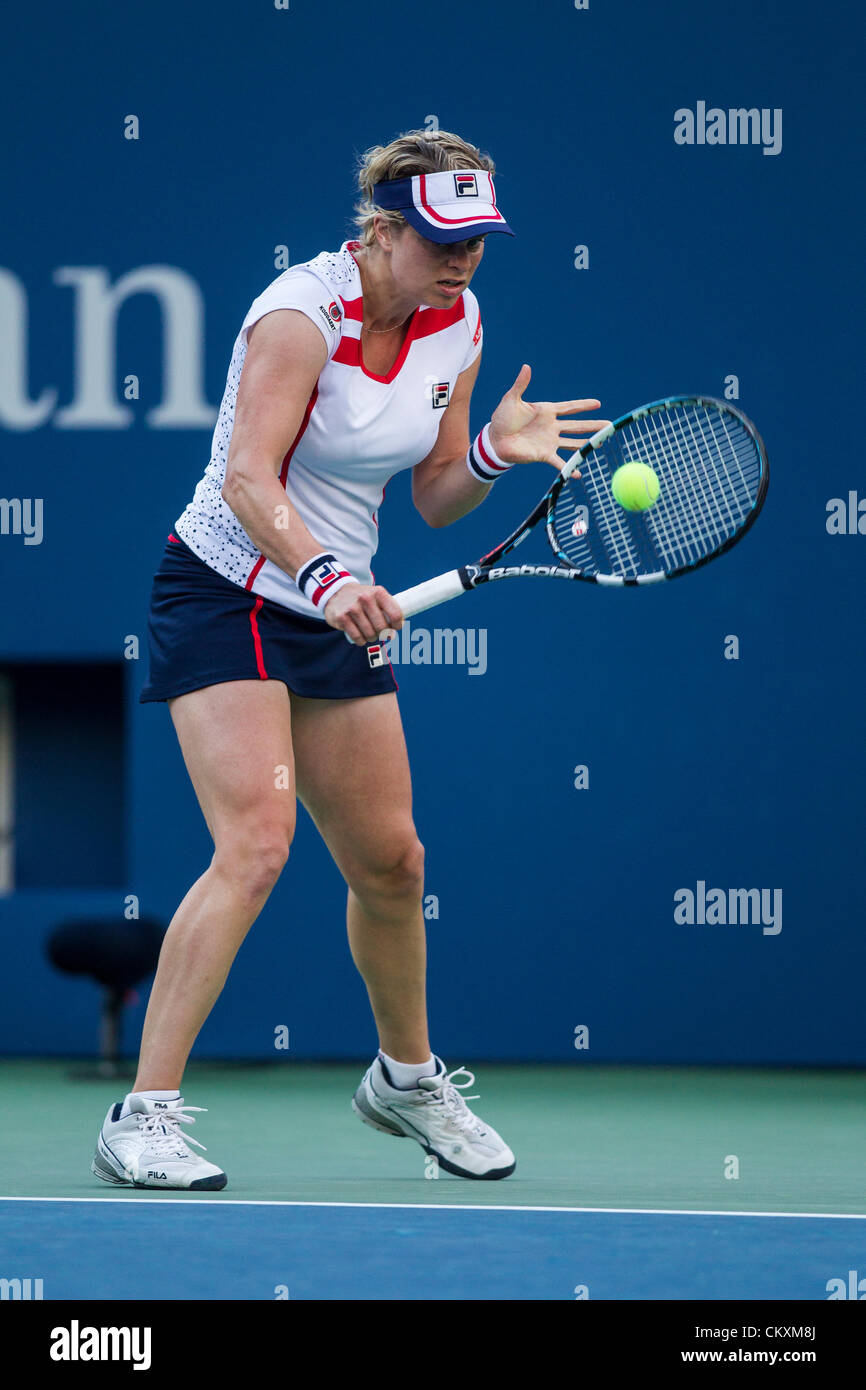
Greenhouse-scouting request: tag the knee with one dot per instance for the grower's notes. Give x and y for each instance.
(409, 869)
(254, 855)
(399, 871)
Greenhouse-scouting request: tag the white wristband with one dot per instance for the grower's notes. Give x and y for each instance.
(483, 462)
(320, 578)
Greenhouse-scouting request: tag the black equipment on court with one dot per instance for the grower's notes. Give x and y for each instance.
(117, 955)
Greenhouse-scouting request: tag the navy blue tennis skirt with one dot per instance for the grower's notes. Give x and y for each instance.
(204, 630)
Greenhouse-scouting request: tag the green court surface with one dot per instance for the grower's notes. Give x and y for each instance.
(589, 1137)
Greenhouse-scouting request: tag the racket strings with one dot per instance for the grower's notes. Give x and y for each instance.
(711, 496)
(690, 515)
(607, 541)
(709, 470)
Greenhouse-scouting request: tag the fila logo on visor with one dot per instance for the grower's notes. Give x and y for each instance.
(375, 655)
(466, 185)
(441, 394)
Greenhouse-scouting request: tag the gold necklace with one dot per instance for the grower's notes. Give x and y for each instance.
(386, 330)
(380, 330)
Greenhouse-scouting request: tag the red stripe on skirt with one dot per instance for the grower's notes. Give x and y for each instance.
(257, 641)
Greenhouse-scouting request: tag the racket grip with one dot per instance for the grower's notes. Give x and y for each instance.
(431, 592)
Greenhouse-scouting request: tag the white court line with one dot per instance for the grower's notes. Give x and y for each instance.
(453, 1206)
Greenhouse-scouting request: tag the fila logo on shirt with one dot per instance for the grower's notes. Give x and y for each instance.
(441, 394)
(332, 315)
(375, 655)
(465, 186)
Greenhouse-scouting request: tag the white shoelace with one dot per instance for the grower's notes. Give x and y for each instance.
(458, 1112)
(162, 1130)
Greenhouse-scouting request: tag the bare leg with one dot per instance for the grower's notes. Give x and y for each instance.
(234, 737)
(353, 777)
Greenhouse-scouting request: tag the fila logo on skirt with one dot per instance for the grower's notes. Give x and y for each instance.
(375, 654)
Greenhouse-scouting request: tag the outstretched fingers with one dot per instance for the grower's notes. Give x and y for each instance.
(521, 381)
(569, 407)
(581, 426)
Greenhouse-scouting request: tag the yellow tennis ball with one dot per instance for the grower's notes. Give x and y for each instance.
(635, 486)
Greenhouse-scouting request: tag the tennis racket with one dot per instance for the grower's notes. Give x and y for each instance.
(713, 473)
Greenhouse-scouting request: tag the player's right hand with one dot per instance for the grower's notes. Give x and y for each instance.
(363, 611)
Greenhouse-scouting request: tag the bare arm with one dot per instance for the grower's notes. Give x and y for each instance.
(285, 356)
(443, 489)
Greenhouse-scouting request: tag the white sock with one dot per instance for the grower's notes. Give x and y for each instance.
(406, 1075)
(148, 1095)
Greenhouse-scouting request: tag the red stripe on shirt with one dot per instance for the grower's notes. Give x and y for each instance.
(353, 308)
(297, 439)
(376, 512)
(254, 572)
(434, 320)
(284, 469)
(424, 322)
(348, 352)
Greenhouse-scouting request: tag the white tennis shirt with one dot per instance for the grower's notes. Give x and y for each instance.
(358, 430)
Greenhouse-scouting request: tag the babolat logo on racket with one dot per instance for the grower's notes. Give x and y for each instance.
(465, 186)
(332, 315)
(441, 394)
(503, 571)
(375, 655)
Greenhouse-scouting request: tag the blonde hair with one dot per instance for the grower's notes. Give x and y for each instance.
(415, 152)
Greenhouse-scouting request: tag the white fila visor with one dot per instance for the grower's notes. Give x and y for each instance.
(453, 205)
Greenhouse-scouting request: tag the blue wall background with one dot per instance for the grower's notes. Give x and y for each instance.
(704, 262)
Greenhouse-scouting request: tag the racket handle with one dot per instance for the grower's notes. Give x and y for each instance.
(431, 592)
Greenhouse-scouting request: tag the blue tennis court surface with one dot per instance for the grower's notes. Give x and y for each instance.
(200, 1249)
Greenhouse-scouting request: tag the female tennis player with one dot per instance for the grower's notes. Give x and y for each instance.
(346, 370)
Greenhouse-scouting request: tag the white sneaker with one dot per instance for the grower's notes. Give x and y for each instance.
(147, 1149)
(437, 1116)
